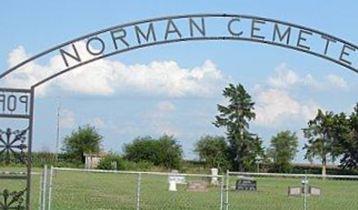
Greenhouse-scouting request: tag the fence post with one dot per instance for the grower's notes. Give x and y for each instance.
(50, 189)
(138, 189)
(40, 193)
(305, 182)
(227, 188)
(44, 188)
(221, 192)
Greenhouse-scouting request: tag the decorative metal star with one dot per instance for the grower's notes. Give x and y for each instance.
(12, 145)
(12, 200)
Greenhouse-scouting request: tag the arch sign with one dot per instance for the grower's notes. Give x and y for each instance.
(18, 103)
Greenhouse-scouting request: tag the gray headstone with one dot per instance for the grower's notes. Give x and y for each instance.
(197, 186)
(315, 191)
(294, 191)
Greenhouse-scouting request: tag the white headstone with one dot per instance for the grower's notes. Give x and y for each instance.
(172, 185)
(214, 178)
(176, 177)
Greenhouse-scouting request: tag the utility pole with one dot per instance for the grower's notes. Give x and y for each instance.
(58, 130)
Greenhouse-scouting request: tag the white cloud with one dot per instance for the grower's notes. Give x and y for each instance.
(27, 75)
(275, 107)
(67, 119)
(337, 81)
(108, 77)
(286, 78)
(276, 104)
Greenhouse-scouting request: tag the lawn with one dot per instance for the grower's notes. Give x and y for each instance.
(79, 190)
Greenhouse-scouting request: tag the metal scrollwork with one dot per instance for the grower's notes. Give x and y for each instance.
(12, 145)
(12, 200)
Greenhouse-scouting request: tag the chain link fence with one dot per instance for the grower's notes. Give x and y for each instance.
(77, 189)
(293, 191)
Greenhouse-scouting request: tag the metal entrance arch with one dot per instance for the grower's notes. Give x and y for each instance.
(19, 103)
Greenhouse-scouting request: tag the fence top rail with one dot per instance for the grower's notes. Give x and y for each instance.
(17, 173)
(134, 172)
(294, 175)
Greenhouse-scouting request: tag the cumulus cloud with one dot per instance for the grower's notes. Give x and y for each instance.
(337, 81)
(108, 77)
(276, 101)
(285, 77)
(274, 107)
(27, 75)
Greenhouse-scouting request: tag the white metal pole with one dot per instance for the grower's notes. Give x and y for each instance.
(221, 193)
(138, 190)
(44, 188)
(50, 188)
(41, 188)
(227, 190)
(305, 193)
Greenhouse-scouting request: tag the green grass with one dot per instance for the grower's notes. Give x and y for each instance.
(79, 190)
(272, 194)
(18, 185)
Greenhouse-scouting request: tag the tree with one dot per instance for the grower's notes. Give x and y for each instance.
(282, 150)
(213, 150)
(164, 151)
(243, 145)
(349, 144)
(170, 152)
(322, 135)
(84, 140)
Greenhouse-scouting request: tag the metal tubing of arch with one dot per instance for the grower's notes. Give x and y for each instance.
(19, 103)
(196, 27)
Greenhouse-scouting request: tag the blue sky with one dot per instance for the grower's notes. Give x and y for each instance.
(151, 91)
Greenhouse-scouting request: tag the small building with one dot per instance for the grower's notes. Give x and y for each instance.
(92, 159)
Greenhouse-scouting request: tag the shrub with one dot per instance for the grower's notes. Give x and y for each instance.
(164, 151)
(106, 163)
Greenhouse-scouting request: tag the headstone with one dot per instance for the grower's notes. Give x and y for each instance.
(197, 186)
(315, 191)
(214, 178)
(246, 183)
(172, 186)
(294, 191)
(176, 177)
(297, 191)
